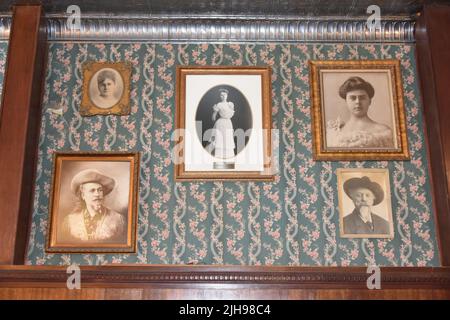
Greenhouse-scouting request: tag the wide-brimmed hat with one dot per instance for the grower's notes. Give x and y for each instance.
(366, 183)
(223, 90)
(90, 175)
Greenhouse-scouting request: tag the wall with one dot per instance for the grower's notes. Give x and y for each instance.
(232, 223)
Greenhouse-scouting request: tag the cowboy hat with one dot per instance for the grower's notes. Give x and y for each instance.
(366, 183)
(91, 175)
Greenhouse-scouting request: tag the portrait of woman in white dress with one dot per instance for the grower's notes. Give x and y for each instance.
(223, 117)
(360, 130)
(223, 142)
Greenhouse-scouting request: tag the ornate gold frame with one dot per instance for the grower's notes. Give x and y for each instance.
(340, 181)
(122, 107)
(52, 246)
(320, 152)
(268, 174)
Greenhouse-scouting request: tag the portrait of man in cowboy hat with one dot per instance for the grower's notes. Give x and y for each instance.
(367, 216)
(93, 205)
(91, 220)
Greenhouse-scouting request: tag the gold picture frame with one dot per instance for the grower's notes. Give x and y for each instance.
(332, 140)
(375, 181)
(106, 88)
(199, 91)
(93, 205)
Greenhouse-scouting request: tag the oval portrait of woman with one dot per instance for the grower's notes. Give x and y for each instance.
(224, 121)
(106, 88)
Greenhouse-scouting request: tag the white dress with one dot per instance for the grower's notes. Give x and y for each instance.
(104, 103)
(357, 139)
(223, 131)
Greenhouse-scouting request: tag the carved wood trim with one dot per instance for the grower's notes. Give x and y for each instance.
(225, 276)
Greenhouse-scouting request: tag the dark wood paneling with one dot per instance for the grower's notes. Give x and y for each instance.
(433, 56)
(19, 125)
(220, 294)
(53, 294)
(123, 294)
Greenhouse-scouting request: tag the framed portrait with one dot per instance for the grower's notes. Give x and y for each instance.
(358, 111)
(93, 203)
(106, 88)
(223, 122)
(365, 209)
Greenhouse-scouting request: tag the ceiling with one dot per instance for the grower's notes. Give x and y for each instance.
(233, 7)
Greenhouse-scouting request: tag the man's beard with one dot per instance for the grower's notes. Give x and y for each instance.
(97, 204)
(364, 210)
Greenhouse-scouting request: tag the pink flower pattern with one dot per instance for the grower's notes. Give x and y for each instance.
(291, 221)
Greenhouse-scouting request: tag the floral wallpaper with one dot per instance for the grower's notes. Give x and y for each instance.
(292, 221)
(3, 53)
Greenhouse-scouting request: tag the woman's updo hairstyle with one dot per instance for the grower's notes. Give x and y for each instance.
(356, 83)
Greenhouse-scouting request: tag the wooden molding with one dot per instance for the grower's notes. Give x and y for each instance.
(19, 128)
(142, 276)
(433, 54)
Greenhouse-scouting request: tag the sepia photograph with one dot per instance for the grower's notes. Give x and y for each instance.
(365, 208)
(93, 205)
(358, 110)
(106, 88)
(225, 116)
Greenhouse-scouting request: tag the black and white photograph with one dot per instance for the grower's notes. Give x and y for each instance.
(358, 111)
(224, 121)
(225, 115)
(93, 203)
(106, 88)
(365, 208)
(357, 115)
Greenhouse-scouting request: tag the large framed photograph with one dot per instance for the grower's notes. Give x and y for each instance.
(223, 121)
(365, 209)
(106, 88)
(358, 110)
(93, 204)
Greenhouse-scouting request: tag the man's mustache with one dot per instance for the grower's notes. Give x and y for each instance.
(363, 205)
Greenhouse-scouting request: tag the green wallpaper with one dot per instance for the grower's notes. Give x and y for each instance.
(3, 53)
(292, 221)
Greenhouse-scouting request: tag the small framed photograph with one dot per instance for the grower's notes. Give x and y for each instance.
(358, 111)
(93, 203)
(223, 122)
(365, 208)
(106, 88)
